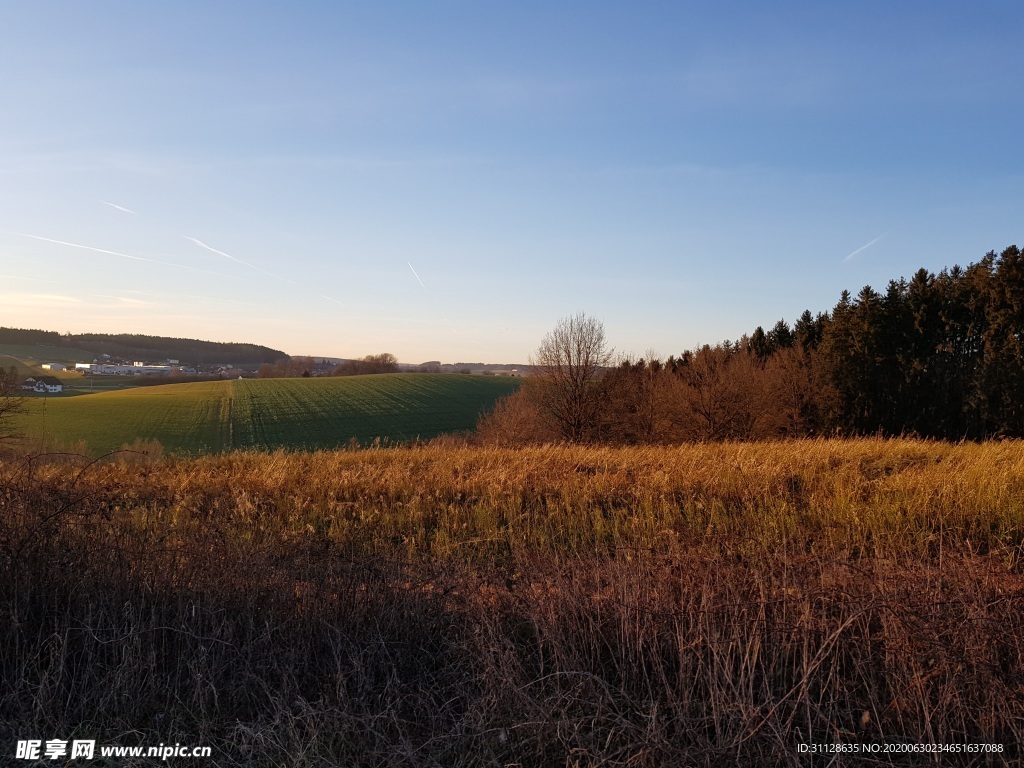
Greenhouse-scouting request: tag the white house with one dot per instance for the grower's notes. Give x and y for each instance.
(53, 367)
(48, 384)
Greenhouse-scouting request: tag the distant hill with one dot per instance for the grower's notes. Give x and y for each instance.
(139, 347)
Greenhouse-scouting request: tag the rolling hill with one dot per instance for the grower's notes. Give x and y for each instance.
(209, 417)
(6, 361)
(83, 347)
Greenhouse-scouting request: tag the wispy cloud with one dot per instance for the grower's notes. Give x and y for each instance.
(124, 301)
(23, 277)
(134, 303)
(417, 276)
(117, 207)
(676, 169)
(37, 300)
(192, 296)
(863, 248)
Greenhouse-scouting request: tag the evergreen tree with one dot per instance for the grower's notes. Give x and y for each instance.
(780, 336)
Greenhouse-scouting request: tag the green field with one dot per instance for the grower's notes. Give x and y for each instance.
(208, 417)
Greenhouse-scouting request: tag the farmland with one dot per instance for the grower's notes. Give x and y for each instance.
(208, 417)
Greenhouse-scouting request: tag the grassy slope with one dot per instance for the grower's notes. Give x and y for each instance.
(265, 413)
(6, 361)
(30, 364)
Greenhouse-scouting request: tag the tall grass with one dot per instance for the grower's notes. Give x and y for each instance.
(424, 606)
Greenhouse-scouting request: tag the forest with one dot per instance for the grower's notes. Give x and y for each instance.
(936, 356)
(135, 346)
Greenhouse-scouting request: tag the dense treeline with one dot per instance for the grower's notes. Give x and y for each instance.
(385, 362)
(161, 347)
(936, 356)
(29, 336)
(939, 355)
(294, 367)
(288, 368)
(150, 348)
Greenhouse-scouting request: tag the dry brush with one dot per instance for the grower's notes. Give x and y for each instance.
(548, 606)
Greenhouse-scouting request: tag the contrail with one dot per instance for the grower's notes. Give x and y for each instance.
(417, 276)
(119, 207)
(219, 252)
(201, 244)
(124, 255)
(864, 247)
(210, 248)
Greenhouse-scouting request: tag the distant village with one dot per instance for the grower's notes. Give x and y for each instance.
(52, 362)
(105, 365)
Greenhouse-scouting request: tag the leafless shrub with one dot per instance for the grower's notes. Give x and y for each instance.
(516, 420)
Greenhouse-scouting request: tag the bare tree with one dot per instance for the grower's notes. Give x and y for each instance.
(567, 366)
(288, 367)
(385, 362)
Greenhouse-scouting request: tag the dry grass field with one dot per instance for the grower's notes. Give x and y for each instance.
(448, 605)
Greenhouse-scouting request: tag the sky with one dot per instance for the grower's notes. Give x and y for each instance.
(446, 180)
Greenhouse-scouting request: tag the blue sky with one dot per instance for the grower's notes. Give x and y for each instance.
(446, 180)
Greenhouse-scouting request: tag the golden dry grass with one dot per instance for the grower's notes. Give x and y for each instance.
(557, 605)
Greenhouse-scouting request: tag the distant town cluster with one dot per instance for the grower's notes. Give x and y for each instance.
(105, 366)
